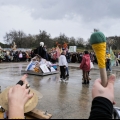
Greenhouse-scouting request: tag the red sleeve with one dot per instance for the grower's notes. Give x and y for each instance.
(82, 63)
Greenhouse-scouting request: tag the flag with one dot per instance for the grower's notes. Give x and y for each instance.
(113, 58)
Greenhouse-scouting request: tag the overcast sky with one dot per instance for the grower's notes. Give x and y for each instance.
(74, 18)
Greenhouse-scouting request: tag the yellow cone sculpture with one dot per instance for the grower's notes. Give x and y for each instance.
(98, 42)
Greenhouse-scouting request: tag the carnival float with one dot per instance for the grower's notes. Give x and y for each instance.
(40, 65)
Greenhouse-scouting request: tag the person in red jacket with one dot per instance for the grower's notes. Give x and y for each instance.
(85, 66)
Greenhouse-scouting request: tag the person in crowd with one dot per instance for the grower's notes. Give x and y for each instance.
(74, 58)
(54, 56)
(17, 98)
(67, 72)
(108, 63)
(92, 57)
(24, 58)
(119, 58)
(103, 99)
(95, 59)
(85, 66)
(68, 57)
(80, 57)
(46, 54)
(32, 54)
(63, 65)
(27, 56)
(68, 60)
(42, 51)
(117, 62)
(20, 56)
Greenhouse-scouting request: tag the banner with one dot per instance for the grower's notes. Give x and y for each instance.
(44, 68)
(72, 49)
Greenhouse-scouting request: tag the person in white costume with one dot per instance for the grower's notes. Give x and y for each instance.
(63, 64)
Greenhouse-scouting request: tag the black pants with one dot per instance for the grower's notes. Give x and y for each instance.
(62, 72)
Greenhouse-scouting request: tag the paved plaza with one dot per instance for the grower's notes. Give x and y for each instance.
(64, 100)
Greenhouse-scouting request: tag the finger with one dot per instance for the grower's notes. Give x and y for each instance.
(97, 82)
(25, 83)
(10, 91)
(114, 103)
(27, 91)
(27, 86)
(24, 77)
(111, 81)
(30, 95)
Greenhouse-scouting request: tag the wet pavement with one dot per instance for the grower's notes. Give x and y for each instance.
(64, 100)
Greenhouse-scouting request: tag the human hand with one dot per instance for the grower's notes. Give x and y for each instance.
(106, 92)
(17, 97)
(65, 67)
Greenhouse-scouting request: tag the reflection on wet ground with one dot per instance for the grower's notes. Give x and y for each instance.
(64, 100)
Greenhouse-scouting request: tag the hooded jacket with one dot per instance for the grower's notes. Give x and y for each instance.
(85, 64)
(63, 61)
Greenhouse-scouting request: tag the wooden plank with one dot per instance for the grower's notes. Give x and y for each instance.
(34, 114)
(39, 114)
(1, 115)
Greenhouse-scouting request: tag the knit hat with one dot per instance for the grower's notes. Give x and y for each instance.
(97, 37)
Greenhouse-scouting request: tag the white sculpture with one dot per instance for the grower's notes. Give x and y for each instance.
(42, 44)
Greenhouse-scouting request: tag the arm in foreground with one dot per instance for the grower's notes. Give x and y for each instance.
(17, 97)
(103, 99)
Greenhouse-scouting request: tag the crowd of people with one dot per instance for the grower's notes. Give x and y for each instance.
(103, 98)
(15, 56)
(72, 57)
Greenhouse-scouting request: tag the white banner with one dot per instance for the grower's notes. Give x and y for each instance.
(72, 49)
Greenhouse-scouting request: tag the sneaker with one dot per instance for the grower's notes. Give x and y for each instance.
(67, 75)
(61, 79)
(64, 79)
(88, 82)
(89, 78)
(84, 82)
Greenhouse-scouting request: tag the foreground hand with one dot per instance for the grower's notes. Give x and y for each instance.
(17, 98)
(106, 92)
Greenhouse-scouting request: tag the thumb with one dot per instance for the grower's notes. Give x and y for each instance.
(111, 81)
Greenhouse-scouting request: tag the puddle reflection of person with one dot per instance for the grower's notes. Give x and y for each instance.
(84, 102)
(36, 81)
(62, 92)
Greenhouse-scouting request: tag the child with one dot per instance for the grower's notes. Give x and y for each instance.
(63, 65)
